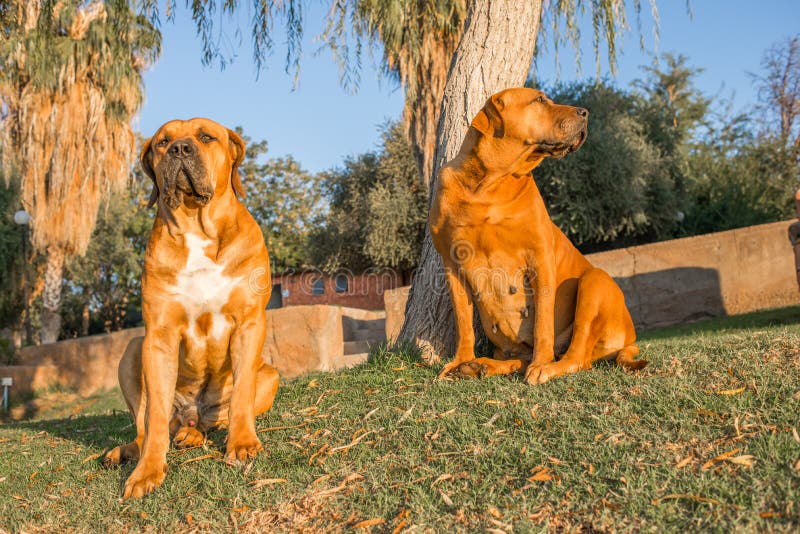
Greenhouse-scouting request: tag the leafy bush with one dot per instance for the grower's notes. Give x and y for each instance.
(285, 200)
(738, 180)
(617, 187)
(378, 210)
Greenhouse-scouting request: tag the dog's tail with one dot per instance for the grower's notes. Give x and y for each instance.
(626, 358)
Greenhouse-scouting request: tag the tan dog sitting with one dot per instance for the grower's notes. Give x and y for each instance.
(537, 296)
(205, 289)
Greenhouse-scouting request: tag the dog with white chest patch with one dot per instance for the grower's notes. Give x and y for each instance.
(205, 289)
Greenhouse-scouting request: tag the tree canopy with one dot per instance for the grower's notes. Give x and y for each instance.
(285, 200)
(377, 210)
(69, 84)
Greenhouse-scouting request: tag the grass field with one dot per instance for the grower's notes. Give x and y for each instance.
(705, 438)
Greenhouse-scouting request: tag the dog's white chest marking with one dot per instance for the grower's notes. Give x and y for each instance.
(203, 288)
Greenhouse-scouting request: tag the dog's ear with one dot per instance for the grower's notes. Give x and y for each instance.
(146, 160)
(489, 120)
(238, 150)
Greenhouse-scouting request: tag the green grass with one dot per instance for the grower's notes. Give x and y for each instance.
(601, 450)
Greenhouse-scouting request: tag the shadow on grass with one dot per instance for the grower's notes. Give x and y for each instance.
(761, 319)
(96, 431)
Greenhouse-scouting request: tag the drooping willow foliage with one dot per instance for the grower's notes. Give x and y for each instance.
(70, 82)
(417, 39)
(609, 19)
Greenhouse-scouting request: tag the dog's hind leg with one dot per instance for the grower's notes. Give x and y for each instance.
(184, 426)
(602, 329)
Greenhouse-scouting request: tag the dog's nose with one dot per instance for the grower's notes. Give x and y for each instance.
(582, 112)
(181, 148)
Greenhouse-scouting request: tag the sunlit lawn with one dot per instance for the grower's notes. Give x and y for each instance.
(704, 438)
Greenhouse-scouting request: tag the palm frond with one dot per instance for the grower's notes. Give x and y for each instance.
(71, 80)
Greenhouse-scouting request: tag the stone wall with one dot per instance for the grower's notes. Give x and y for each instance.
(300, 339)
(724, 273)
(85, 364)
(684, 280)
(394, 302)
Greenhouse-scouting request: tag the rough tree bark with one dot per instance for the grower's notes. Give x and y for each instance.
(51, 296)
(495, 52)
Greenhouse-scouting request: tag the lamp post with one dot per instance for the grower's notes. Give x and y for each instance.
(23, 219)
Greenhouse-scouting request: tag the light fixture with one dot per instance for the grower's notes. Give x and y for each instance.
(22, 217)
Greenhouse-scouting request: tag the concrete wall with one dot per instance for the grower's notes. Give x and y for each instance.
(86, 364)
(300, 339)
(724, 273)
(684, 280)
(394, 302)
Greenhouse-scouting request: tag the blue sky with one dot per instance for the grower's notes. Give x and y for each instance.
(319, 123)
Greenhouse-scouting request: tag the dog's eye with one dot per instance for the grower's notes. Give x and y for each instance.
(205, 138)
(163, 142)
(540, 100)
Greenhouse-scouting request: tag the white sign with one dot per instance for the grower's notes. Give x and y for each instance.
(6, 381)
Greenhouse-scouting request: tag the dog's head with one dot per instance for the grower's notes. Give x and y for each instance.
(527, 117)
(192, 161)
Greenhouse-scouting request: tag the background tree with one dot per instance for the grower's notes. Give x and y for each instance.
(418, 40)
(617, 190)
(745, 167)
(338, 237)
(102, 289)
(377, 210)
(12, 264)
(69, 84)
(671, 109)
(739, 178)
(285, 200)
(398, 206)
(779, 89)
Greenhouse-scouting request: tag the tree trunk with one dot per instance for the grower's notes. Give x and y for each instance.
(85, 312)
(495, 52)
(51, 296)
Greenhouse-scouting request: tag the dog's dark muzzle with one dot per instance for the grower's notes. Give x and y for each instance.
(184, 175)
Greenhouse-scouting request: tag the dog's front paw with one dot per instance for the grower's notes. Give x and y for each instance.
(144, 479)
(471, 369)
(187, 437)
(536, 374)
(449, 369)
(539, 374)
(242, 449)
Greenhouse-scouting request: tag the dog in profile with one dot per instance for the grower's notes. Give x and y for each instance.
(205, 289)
(537, 296)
